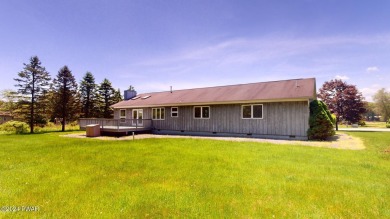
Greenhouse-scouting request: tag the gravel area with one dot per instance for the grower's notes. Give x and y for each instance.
(339, 141)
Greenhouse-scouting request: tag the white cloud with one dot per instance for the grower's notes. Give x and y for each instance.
(253, 50)
(372, 69)
(342, 77)
(368, 92)
(244, 60)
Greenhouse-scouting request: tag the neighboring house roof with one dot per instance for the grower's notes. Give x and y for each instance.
(5, 114)
(286, 90)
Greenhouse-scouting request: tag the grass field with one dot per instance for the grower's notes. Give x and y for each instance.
(375, 125)
(83, 178)
(48, 128)
(368, 125)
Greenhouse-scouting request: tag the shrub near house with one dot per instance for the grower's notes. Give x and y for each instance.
(14, 127)
(321, 121)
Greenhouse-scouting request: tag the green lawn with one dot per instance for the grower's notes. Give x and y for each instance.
(368, 125)
(375, 124)
(73, 178)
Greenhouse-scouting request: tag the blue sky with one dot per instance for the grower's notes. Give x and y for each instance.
(185, 44)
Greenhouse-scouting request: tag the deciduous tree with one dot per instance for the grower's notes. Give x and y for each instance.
(32, 82)
(344, 100)
(8, 100)
(371, 114)
(382, 103)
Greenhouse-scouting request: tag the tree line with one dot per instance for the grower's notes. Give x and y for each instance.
(40, 99)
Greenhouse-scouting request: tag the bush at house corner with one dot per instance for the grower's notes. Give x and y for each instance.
(321, 121)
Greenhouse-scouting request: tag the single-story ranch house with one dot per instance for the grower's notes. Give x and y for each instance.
(276, 109)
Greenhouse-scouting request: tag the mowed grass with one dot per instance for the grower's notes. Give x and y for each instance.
(369, 124)
(375, 124)
(83, 178)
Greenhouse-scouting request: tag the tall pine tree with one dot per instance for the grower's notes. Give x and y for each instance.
(33, 82)
(66, 97)
(89, 97)
(117, 96)
(106, 94)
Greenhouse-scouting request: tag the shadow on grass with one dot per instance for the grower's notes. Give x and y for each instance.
(55, 131)
(333, 138)
(39, 132)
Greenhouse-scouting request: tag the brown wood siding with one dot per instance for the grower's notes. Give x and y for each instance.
(281, 118)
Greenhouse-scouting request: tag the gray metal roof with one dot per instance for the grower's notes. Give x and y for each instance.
(286, 90)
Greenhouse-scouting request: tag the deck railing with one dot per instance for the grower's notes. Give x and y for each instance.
(117, 123)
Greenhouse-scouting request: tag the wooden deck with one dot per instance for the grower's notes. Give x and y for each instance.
(122, 126)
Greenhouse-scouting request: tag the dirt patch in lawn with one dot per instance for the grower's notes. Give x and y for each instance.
(339, 141)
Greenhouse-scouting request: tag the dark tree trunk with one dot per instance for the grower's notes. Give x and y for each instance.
(63, 115)
(63, 125)
(32, 114)
(32, 105)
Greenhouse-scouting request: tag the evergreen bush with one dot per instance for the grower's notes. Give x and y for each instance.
(388, 124)
(321, 121)
(333, 116)
(15, 127)
(362, 123)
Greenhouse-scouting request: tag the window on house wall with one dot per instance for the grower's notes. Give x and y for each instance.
(175, 112)
(158, 113)
(122, 115)
(201, 112)
(254, 111)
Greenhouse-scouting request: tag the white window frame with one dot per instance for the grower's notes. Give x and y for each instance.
(137, 118)
(201, 112)
(251, 105)
(176, 111)
(158, 108)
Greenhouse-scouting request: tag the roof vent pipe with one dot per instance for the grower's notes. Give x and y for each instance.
(171, 89)
(296, 84)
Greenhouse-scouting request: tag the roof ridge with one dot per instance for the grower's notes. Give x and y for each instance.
(150, 93)
(282, 89)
